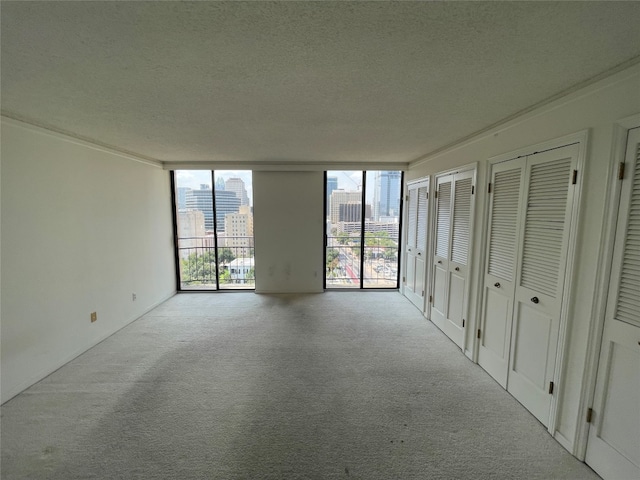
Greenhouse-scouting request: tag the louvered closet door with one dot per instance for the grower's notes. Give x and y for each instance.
(505, 200)
(613, 449)
(414, 288)
(439, 278)
(544, 234)
(458, 265)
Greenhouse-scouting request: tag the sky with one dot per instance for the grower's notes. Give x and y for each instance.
(352, 181)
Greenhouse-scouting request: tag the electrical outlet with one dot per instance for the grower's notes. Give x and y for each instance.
(134, 297)
(94, 316)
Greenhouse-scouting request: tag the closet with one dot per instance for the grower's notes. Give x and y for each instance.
(530, 220)
(453, 228)
(613, 448)
(416, 244)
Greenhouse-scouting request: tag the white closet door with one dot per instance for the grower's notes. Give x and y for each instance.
(415, 272)
(613, 449)
(458, 265)
(454, 211)
(505, 200)
(439, 278)
(544, 234)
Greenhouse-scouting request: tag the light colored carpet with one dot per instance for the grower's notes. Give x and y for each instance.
(244, 386)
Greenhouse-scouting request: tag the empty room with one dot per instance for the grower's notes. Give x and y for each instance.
(286, 239)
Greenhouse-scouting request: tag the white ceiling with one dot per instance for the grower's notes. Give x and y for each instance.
(298, 81)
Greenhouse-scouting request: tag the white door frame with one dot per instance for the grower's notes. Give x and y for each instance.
(603, 273)
(580, 138)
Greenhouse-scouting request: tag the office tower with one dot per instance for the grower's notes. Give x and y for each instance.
(201, 200)
(226, 202)
(181, 197)
(386, 194)
(332, 184)
(239, 232)
(340, 197)
(237, 185)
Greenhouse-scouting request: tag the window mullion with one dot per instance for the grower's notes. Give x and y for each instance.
(215, 227)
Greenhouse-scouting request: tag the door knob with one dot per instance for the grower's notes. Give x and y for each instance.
(497, 284)
(535, 300)
(440, 261)
(457, 269)
(419, 253)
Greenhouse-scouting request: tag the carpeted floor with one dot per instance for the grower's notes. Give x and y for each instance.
(244, 386)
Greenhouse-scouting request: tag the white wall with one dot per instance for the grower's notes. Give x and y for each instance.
(288, 230)
(596, 108)
(82, 229)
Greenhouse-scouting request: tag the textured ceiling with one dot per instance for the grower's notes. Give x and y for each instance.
(298, 81)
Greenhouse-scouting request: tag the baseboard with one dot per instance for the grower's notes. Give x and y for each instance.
(280, 292)
(564, 441)
(63, 361)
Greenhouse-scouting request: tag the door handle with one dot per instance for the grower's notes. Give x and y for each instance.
(419, 253)
(497, 284)
(535, 300)
(440, 262)
(457, 269)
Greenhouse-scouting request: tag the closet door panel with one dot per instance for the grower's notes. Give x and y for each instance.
(497, 315)
(439, 294)
(505, 199)
(530, 337)
(456, 295)
(544, 235)
(444, 189)
(613, 448)
(414, 288)
(459, 256)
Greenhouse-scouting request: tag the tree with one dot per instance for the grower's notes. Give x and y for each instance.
(225, 255)
(197, 269)
(389, 254)
(225, 276)
(251, 274)
(343, 238)
(333, 259)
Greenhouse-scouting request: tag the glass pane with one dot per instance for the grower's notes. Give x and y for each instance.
(196, 241)
(382, 229)
(234, 226)
(344, 221)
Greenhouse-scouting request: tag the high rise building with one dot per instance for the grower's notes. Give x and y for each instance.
(340, 197)
(181, 197)
(191, 232)
(220, 183)
(332, 184)
(239, 232)
(350, 212)
(226, 202)
(201, 200)
(386, 194)
(237, 185)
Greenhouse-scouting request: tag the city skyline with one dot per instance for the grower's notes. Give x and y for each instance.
(195, 178)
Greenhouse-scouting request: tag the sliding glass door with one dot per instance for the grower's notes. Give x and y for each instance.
(214, 229)
(362, 229)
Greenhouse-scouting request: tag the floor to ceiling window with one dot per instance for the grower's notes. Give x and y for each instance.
(214, 229)
(362, 230)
